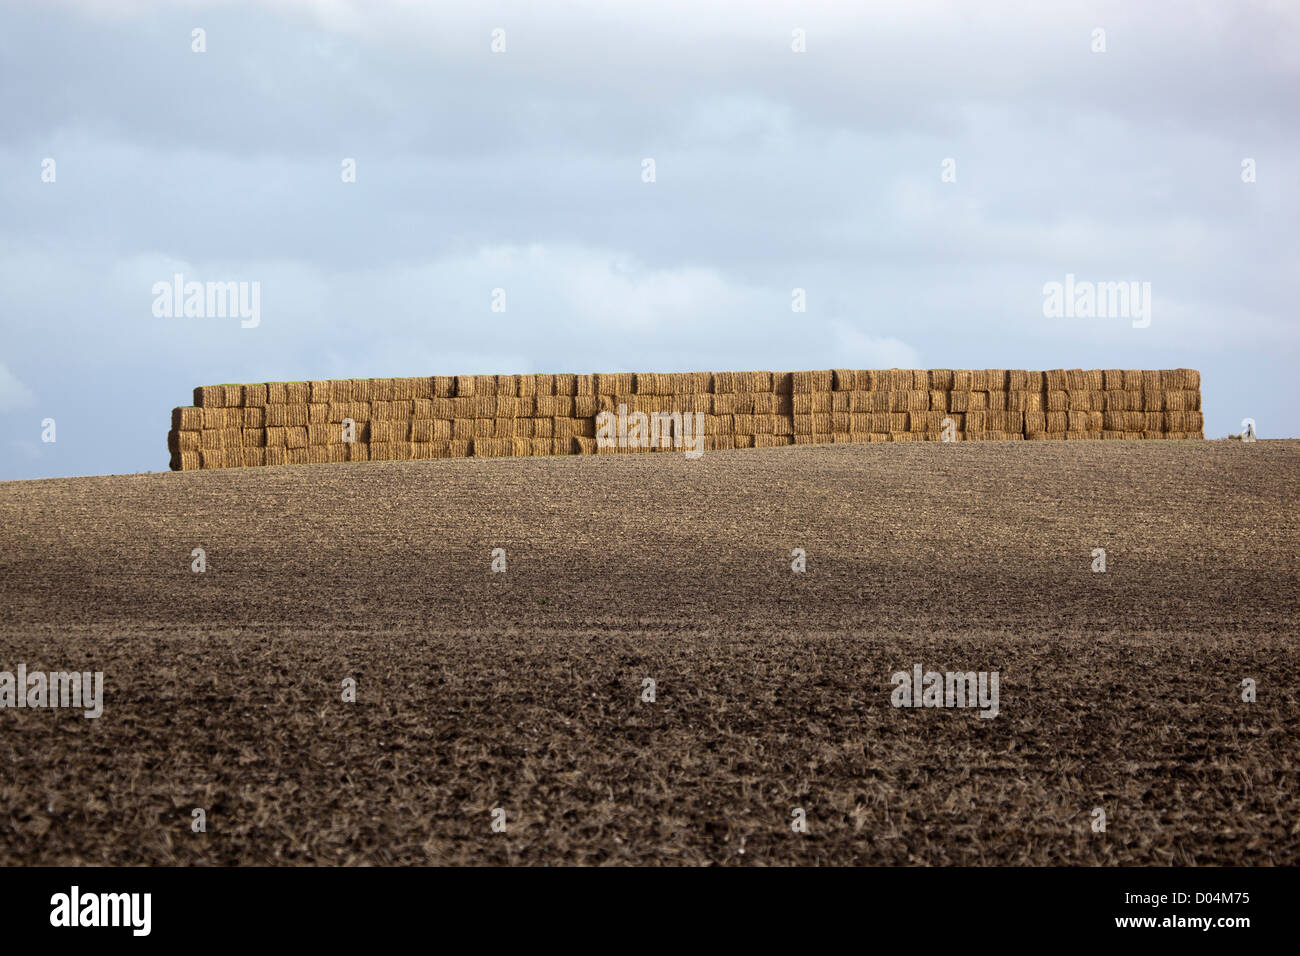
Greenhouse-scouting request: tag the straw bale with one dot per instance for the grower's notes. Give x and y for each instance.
(1024, 401)
(1182, 400)
(618, 383)
(1035, 420)
(1184, 421)
(1122, 401)
(940, 379)
(843, 379)
(810, 381)
(782, 383)
(1123, 421)
(583, 445)
(998, 401)
(1153, 401)
(357, 411)
(1057, 421)
(1056, 380)
(1058, 400)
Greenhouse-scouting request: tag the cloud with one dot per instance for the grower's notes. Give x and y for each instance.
(13, 393)
(853, 348)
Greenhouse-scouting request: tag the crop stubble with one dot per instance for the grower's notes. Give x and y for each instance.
(520, 690)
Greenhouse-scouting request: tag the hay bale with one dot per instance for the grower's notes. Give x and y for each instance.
(585, 384)
(277, 393)
(940, 379)
(252, 396)
(782, 383)
(1035, 420)
(297, 393)
(1025, 401)
(254, 417)
(1122, 401)
(282, 415)
(583, 445)
(618, 383)
(1057, 422)
(485, 406)
(998, 401)
(566, 383)
(1184, 422)
(843, 379)
(1084, 421)
(357, 411)
(187, 417)
(1058, 400)
(1085, 379)
(1153, 401)
(252, 437)
(222, 417)
(1182, 400)
(812, 381)
(808, 403)
(1180, 379)
(1123, 421)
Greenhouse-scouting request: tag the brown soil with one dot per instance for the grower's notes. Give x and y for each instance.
(522, 690)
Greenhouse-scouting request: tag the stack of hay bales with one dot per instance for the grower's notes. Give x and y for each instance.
(448, 416)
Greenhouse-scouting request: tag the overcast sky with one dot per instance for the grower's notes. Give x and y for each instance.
(522, 170)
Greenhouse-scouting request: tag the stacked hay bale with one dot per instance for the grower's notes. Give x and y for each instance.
(674, 394)
(447, 416)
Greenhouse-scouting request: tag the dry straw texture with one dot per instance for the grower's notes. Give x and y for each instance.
(398, 419)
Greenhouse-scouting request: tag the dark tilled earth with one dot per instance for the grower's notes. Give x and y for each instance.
(522, 690)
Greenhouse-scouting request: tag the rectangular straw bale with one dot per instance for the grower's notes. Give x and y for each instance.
(811, 381)
(254, 417)
(926, 421)
(584, 384)
(280, 415)
(998, 401)
(320, 391)
(1112, 379)
(840, 401)
(617, 383)
(1004, 421)
(252, 396)
(1056, 380)
(782, 383)
(1084, 421)
(843, 379)
(1080, 400)
(1035, 420)
(1024, 401)
(1123, 421)
(940, 378)
(1122, 401)
(1151, 381)
(253, 437)
(565, 383)
(297, 393)
(862, 401)
(277, 393)
(806, 403)
(1183, 400)
(1184, 421)
(1057, 421)
(1058, 400)
(1153, 401)
(357, 411)
(772, 441)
